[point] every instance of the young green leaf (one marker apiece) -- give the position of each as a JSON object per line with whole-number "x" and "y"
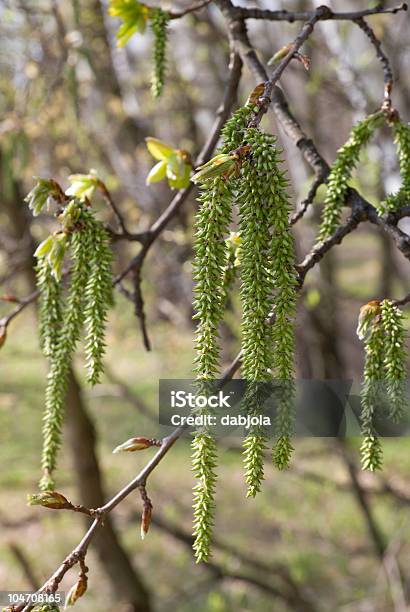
{"x": 134, "y": 16}
{"x": 45, "y": 247}
{"x": 159, "y": 149}
{"x": 82, "y": 186}
{"x": 40, "y": 194}
{"x": 157, "y": 173}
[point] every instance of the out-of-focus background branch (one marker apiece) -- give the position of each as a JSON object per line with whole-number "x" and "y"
{"x": 320, "y": 536}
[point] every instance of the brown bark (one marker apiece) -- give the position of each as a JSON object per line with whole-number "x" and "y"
{"x": 126, "y": 584}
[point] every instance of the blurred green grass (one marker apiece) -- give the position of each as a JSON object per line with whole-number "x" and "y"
{"x": 313, "y": 526}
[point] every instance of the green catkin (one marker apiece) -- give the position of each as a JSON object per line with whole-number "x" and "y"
{"x": 212, "y": 224}
{"x": 230, "y": 273}
{"x": 204, "y": 462}
{"x": 51, "y": 307}
{"x": 212, "y": 254}
{"x": 255, "y": 200}
{"x": 283, "y": 334}
{"x": 394, "y": 358}
{"x": 57, "y": 378}
{"x": 341, "y": 171}
{"x": 234, "y": 128}
{"x": 211, "y": 259}
{"x": 268, "y": 277}
{"x": 89, "y": 297}
{"x": 371, "y": 450}
{"x": 402, "y": 139}
{"x": 255, "y": 443}
{"x": 159, "y": 24}
{"x": 98, "y": 298}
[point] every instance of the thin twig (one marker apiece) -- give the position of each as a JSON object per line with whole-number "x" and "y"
{"x": 139, "y": 307}
{"x": 298, "y": 214}
{"x": 235, "y": 71}
{"x": 79, "y": 552}
{"x": 292, "y": 16}
{"x": 384, "y": 60}
{"x": 22, "y": 304}
{"x": 403, "y": 301}
{"x": 190, "y": 9}
{"x": 265, "y": 100}
{"x": 319, "y": 251}
{"x": 110, "y": 201}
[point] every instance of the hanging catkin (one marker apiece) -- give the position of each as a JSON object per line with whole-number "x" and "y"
{"x": 60, "y": 358}
{"x": 371, "y": 450}
{"x": 98, "y": 299}
{"x": 211, "y": 260}
{"x": 395, "y": 201}
{"x": 283, "y": 333}
{"x": 256, "y": 199}
{"x": 402, "y": 140}
{"x": 159, "y": 25}
{"x": 89, "y": 295}
{"x": 50, "y": 307}
{"x": 394, "y": 358}
{"x": 381, "y": 327}
{"x": 268, "y": 281}
{"x": 341, "y": 171}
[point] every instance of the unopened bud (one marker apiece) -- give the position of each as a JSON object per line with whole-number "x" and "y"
{"x": 3, "y": 335}
{"x": 146, "y": 519}
{"x": 304, "y": 60}
{"x": 76, "y": 591}
{"x": 367, "y": 314}
{"x": 49, "y": 499}
{"x": 283, "y": 51}
{"x": 255, "y": 95}
{"x": 135, "y": 444}
{"x": 222, "y": 164}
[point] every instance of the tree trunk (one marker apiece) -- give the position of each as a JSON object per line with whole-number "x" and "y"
{"x": 126, "y": 584}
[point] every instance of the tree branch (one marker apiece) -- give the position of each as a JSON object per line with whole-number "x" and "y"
{"x": 384, "y": 60}
{"x": 79, "y": 552}
{"x": 135, "y": 265}
{"x": 292, "y": 16}
{"x": 265, "y": 100}
{"x": 190, "y": 9}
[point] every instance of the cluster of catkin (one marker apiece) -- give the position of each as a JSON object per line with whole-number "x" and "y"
{"x": 69, "y": 307}
{"x": 380, "y": 323}
{"x": 383, "y": 393}
{"x": 346, "y": 161}
{"x": 246, "y": 173}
